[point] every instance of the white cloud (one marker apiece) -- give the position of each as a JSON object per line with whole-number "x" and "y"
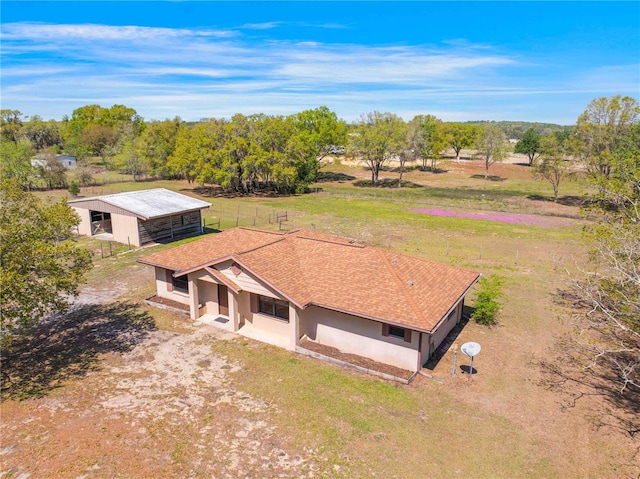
{"x": 162, "y": 72}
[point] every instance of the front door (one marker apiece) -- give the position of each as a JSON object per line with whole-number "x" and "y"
{"x": 223, "y": 300}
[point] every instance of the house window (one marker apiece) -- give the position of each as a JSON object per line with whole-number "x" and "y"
{"x": 273, "y": 307}
{"x": 181, "y": 284}
{"x": 396, "y": 332}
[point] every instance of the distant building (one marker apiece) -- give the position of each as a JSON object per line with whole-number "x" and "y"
{"x": 140, "y": 217}
{"x": 40, "y": 160}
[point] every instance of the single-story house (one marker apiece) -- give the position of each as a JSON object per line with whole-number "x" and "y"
{"x": 140, "y": 217}
{"x": 287, "y": 287}
{"x": 40, "y": 160}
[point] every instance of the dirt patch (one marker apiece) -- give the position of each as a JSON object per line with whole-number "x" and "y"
{"x": 164, "y": 408}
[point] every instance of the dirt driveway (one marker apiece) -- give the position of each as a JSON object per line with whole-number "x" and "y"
{"x": 104, "y": 393}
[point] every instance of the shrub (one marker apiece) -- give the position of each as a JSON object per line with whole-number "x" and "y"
{"x": 487, "y": 306}
{"x": 74, "y": 189}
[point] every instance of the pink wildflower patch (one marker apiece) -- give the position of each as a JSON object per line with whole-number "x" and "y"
{"x": 501, "y": 217}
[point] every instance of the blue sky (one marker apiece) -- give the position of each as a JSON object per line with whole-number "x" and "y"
{"x": 533, "y": 61}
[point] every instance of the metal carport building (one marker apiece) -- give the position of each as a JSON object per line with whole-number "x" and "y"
{"x": 140, "y": 217}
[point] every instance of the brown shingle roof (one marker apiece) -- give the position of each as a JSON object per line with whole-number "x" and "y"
{"x": 335, "y": 273}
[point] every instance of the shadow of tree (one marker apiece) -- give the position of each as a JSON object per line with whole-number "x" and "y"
{"x": 450, "y": 339}
{"x": 562, "y": 200}
{"x": 490, "y": 177}
{"x": 387, "y": 183}
{"x": 570, "y": 371}
{"x": 70, "y": 346}
{"x": 326, "y": 176}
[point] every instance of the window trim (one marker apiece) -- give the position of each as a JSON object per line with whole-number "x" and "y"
{"x": 406, "y": 332}
{"x": 178, "y": 288}
{"x": 261, "y": 300}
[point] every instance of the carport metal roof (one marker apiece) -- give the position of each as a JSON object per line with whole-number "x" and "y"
{"x": 147, "y": 204}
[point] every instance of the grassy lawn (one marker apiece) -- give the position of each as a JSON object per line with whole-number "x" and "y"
{"x": 503, "y": 423}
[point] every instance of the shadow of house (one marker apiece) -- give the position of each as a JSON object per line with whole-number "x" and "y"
{"x": 435, "y": 358}
{"x": 69, "y": 347}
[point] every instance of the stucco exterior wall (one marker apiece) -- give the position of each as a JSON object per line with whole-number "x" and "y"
{"x": 163, "y": 291}
{"x": 446, "y": 326}
{"x": 355, "y": 335}
{"x": 430, "y": 342}
{"x": 208, "y": 296}
{"x": 245, "y": 281}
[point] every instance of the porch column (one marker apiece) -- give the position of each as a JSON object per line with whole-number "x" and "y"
{"x": 194, "y": 309}
{"x": 233, "y": 310}
{"x": 294, "y": 327}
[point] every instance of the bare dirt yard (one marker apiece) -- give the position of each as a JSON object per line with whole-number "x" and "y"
{"x": 150, "y": 403}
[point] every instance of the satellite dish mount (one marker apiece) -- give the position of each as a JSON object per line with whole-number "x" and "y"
{"x": 471, "y": 349}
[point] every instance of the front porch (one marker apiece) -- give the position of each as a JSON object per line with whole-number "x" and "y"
{"x": 245, "y": 329}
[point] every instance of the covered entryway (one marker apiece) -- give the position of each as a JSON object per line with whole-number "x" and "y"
{"x": 223, "y": 300}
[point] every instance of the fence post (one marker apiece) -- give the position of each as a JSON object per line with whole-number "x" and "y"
{"x": 101, "y": 251}
{"x": 110, "y": 250}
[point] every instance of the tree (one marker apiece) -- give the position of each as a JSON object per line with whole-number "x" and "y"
{"x": 157, "y": 143}
{"x": 461, "y": 135}
{"x": 427, "y": 139}
{"x": 605, "y": 300}
{"x": 529, "y": 145}
{"x": 319, "y": 129}
{"x": 487, "y": 305}
{"x": 53, "y": 172}
{"x": 74, "y": 188}
{"x": 16, "y": 162}
{"x": 41, "y": 266}
{"x": 41, "y": 134}
{"x": 130, "y": 160}
{"x": 552, "y": 164}
{"x": 10, "y": 124}
{"x": 491, "y": 146}
{"x": 99, "y": 138}
{"x": 601, "y": 126}
{"x": 376, "y": 138}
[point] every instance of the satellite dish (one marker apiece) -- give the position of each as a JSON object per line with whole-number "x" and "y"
{"x": 470, "y": 349}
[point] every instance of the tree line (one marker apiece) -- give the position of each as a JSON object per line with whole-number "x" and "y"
{"x": 283, "y": 153}
{"x": 240, "y": 154}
